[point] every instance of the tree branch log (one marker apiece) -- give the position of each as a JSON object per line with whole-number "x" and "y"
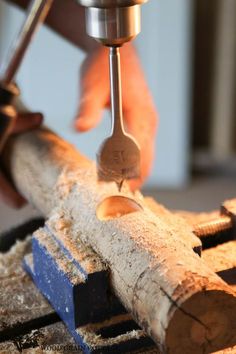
{"x": 182, "y": 304}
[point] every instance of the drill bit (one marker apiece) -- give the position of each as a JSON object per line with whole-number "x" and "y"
{"x": 119, "y": 155}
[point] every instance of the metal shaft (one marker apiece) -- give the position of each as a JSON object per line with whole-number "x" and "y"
{"x": 116, "y": 91}
{"x": 36, "y": 15}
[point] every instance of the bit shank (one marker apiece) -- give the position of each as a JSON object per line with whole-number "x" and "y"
{"x": 116, "y": 91}
{"x": 119, "y": 155}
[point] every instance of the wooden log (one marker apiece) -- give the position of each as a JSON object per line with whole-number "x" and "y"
{"x": 222, "y": 259}
{"x": 182, "y": 304}
{"x": 54, "y": 337}
{"x": 177, "y": 222}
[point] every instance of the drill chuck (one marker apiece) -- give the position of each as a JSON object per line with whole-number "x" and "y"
{"x": 113, "y": 26}
{"x": 113, "y": 22}
{"x": 110, "y": 3}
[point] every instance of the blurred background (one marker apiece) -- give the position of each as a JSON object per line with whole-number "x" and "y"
{"x": 188, "y": 51}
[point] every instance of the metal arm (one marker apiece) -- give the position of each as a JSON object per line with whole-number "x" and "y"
{"x": 36, "y": 15}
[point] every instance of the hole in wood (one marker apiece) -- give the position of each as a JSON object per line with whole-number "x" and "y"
{"x": 115, "y": 207}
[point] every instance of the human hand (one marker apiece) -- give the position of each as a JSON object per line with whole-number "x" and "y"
{"x": 140, "y": 115}
{"x": 8, "y": 194}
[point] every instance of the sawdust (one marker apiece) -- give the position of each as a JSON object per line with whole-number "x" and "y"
{"x": 229, "y": 207}
{"x": 176, "y": 222}
{"x": 97, "y": 341}
{"x": 10, "y": 262}
{"x": 221, "y": 257}
{"x": 64, "y": 264}
{"x": 227, "y": 351}
{"x": 83, "y": 254}
{"x": 197, "y": 218}
{"x": 19, "y": 298}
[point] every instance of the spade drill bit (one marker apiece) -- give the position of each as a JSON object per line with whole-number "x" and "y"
{"x": 119, "y": 156}
{"x": 113, "y": 23}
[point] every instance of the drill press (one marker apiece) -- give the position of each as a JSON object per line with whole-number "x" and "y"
{"x": 113, "y": 23}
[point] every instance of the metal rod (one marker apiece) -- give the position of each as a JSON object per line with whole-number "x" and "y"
{"x": 36, "y": 14}
{"x": 211, "y": 227}
{"x": 116, "y": 91}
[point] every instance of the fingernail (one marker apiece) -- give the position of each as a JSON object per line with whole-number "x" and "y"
{"x": 77, "y": 123}
{"x": 81, "y": 124}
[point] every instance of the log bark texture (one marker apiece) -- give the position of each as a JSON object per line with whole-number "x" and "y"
{"x": 182, "y": 304}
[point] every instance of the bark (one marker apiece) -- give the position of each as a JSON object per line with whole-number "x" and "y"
{"x": 182, "y": 304}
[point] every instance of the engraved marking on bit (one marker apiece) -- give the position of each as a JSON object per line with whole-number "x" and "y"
{"x": 120, "y": 185}
{"x": 118, "y": 156}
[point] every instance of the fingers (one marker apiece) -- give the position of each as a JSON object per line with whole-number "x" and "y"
{"x": 27, "y": 121}
{"x": 94, "y": 90}
{"x": 139, "y": 111}
{"x": 142, "y": 124}
{"x": 9, "y": 195}
{"x": 90, "y": 111}
{"x": 140, "y": 114}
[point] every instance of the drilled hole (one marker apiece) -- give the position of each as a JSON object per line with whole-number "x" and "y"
{"x": 115, "y": 207}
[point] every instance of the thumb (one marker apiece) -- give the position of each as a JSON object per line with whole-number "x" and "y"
{"x": 95, "y": 90}
{"x": 27, "y": 121}
{"x": 141, "y": 122}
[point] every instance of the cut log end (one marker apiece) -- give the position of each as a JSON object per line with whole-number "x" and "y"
{"x": 204, "y": 324}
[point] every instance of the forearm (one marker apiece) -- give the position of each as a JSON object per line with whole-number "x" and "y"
{"x": 67, "y": 18}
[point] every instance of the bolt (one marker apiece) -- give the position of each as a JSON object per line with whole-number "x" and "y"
{"x": 214, "y": 226}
